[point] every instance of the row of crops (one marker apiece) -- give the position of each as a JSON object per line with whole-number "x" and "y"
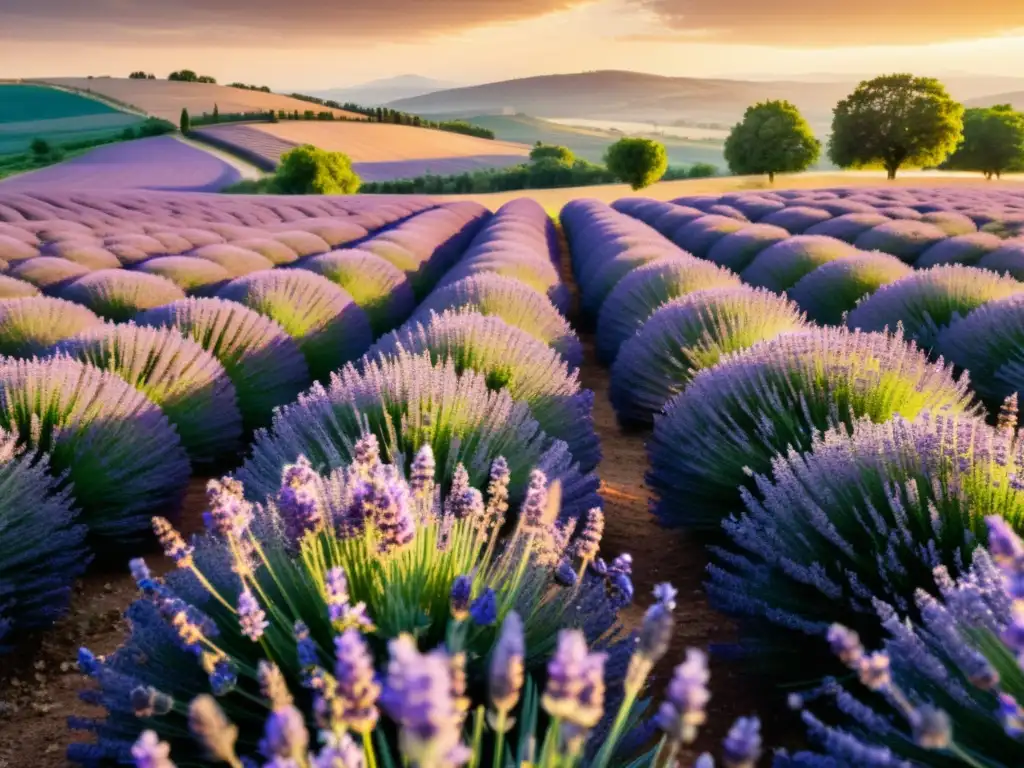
{"x": 842, "y": 472}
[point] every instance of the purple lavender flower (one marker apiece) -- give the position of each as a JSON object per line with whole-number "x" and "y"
{"x": 484, "y": 610}
{"x": 357, "y": 690}
{"x": 497, "y": 491}
{"x": 421, "y": 476}
{"x": 211, "y": 728}
{"x": 382, "y": 499}
{"x": 932, "y": 728}
{"x": 251, "y": 617}
{"x": 273, "y": 685}
{"x": 339, "y": 752}
{"x": 149, "y": 752}
{"x": 298, "y": 502}
{"x": 366, "y": 454}
{"x": 575, "y": 687}
{"x": 846, "y": 645}
{"x": 173, "y": 544}
{"x": 223, "y": 677}
{"x": 147, "y": 701}
{"x": 304, "y": 645}
{"x": 337, "y": 597}
{"x": 535, "y": 505}
{"x": 565, "y": 574}
{"x": 88, "y": 663}
{"x": 285, "y": 734}
{"x": 742, "y": 745}
{"x": 666, "y": 594}
{"x": 461, "y": 593}
{"x": 683, "y": 710}
{"x": 588, "y": 544}
{"x": 505, "y": 679}
{"x": 229, "y": 514}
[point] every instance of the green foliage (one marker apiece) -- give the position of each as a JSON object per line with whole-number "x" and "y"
{"x": 773, "y": 137}
{"x": 244, "y": 87}
{"x": 185, "y": 122}
{"x": 543, "y": 174}
{"x": 636, "y": 161}
{"x": 153, "y": 126}
{"x": 183, "y": 75}
{"x": 40, "y": 147}
{"x": 993, "y": 142}
{"x": 555, "y": 152}
{"x": 896, "y": 120}
{"x": 140, "y": 75}
{"x": 216, "y": 113}
{"x": 309, "y": 170}
{"x": 702, "y": 171}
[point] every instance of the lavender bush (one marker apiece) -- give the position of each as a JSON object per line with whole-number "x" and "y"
{"x": 119, "y": 295}
{"x": 639, "y": 294}
{"x": 235, "y": 260}
{"x": 797, "y": 219}
{"x": 699, "y": 236}
{"x": 187, "y": 382}
{"x": 733, "y": 418}
{"x": 511, "y": 359}
{"x": 596, "y": 286}
{"x": 965, "y": 249}
{"x": 30, "y": 325}
{"x": 117, "y": 448}
{"x": 329, "y": 571}
{"x": 945, "y": 691}
{"x": 377, "y": 287}
{"x": 407, "y": 401}
{"x": 687, "y": 335}
{"x": 12, "y": 288}
{"x": 513, "y": 302}
{"x": 736, "y": 250}
{"x": 829, "y": 292}
{"x": 779, "y": 267}
{"x": 904, "y": 239}
{"x": 847, "y": 227}
{"x": 48, "y": 273}
{"x": 197, "y": 277}
{"x": 325, "y": 322}
{"x": 42, "y": 548}
{"x": 866, "y": 517}
{"x": 1009, "y": 259}
{"x": 924, "y": 303}
{"x": 264, "y": 364}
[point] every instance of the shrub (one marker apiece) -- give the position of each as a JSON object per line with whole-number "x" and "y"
{"x": 555, "y": 152}
{"x": 87, "y": 252}
{"x": 797, "y": 219}
{"x": 954, "y": 686}
{"x": 508, "y": 358}
{"x": 639, "y": 294}
{"x": 302, "y": 243}
{"x": 235, "y": 260}
{"x": 307, "y": 170}
{"x": 734, "y": 418}
{"x": 379, "y": 288}
{"x": 405, "y": 401}
{"x": 927, "y": 301}
{"x": 515, "y": 303}
{"x": 610, "y": 272}
{"x": 30, "y": 325}
{"x": 192, "y": 275}
{"x": 1009, "y": 259}
{"x": 903, "y": 238}
{"x": 42, "y": 549}
{"x": 779, "y": 267}
{"x": 13, "y": 250}
{"x": 988, "y": 343}
{"x": 700, "y": 235}
{"x": 117, "y": 448}
{"x": 12, "y": 288}
{"x": 48, "y": 273}
{"x": 325, "y": 322}
{"x": 264, "y": 364}
{"x": 316, "y": 596}
{"x": 950, "y": 222}
{"x": 686, "y": 335}
{"x": 533, "y": 270}
{"x": 863, "y": 519}
{"x": 828, "y": 292}
{"x": 40, "y": 147}
{"x": 187, "y": 382}
{"x": 636, "y": 161}
{"x": 737, "y": 249}
{"x": 959, "y": 249}
{"x": 119, "y": 295}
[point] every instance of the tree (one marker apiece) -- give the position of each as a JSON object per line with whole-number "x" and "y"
{"x": 40, "y": 147}
{"x": 554, "y": 152}
{"x": 183, "y": 75}
{"x": 993, "y": 142}
{"x": 140, "y": 75}
{"x": 216, "y": 113}
{"x": 309, "y": 170}
{"x": 895, "y": 120}
{"x": 185, "y": 123}
{"x": 636, "y": 161}
{"x": 773, "y": 137}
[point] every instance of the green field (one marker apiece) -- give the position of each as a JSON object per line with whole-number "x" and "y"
{"x": 590, "y": 144}
{"x": 28, "y": 112}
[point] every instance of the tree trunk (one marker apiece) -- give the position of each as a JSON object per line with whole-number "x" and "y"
{"x": 771, "y": 177}
{"x": 891, "y": 172}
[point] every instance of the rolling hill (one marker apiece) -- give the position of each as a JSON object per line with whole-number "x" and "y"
{"x": 165, "y": 98}
{"x": 638, "y": 96}
{"x": 1015, "y": 98}
{"x": 379, "y": 92}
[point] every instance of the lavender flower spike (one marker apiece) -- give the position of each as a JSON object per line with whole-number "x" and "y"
{"x": 357, "y": 690}
{"x": 251, "y": 616}
{"x": 150, "y": 752}
{"x": 683, "y": 712}
{"x": 461, "y": 593}
{"x": 212, "y": 729}
{"x": 575, "y": 688}
{"x": 337, "y": 597}
{"x": 742, "y": 746}
{"x": 505, "y": 681}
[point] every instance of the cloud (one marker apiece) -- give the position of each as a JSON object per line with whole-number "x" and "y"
{"x": 285, "y": 23}
{"x": 824, "y": 23}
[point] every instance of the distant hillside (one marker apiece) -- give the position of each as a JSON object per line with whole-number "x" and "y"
{"x": 590, "y": 144}
{"x": 379, "y": 92}
{"x": 644, "y": 97}
{"x": 1015, "y": 98}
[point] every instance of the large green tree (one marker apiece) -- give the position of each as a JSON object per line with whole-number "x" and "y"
{"x": 896, "y": 120}
{"x": 308, "y": 170}
{"x": 636, "y": 161}
{"x": 554, "y": 152}
{"x": 993, "y": 142}
{"x": 773, "y": 137}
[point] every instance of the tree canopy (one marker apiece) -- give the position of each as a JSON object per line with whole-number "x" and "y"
{"x": 896, "y": 120}
{"x": 993, "y": 142}
{"x": 555, "y": 152}
{"x": 636, "y": 161}
{"x": 773, "y": 137}
{"x": 309, "y": 170}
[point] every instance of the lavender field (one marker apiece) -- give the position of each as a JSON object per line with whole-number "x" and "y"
{"x": 396, "y": 451}
{"x": 157, "y": 163}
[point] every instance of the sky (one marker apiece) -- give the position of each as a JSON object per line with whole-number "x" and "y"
{"x": 313, "y": 44}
